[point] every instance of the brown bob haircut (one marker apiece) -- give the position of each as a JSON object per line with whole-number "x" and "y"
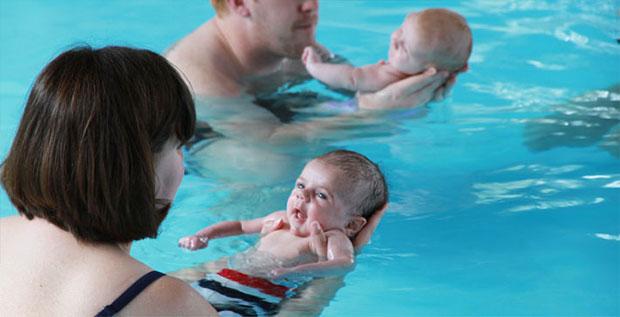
{"x": 83, "y": 155}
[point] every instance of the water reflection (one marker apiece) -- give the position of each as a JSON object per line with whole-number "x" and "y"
{"x": 268, "y": 140}
{"x": 539, "y": 187}
{"x": 591, "y": 119}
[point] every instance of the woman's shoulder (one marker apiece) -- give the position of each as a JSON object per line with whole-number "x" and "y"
{"x": 171, "y": 297}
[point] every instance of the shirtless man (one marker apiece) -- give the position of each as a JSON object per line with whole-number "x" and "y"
{"x": 254, "y": 46}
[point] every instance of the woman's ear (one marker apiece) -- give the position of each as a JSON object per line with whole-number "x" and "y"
{"x": 239, "y": 7}
{"x": 355, "y": 225}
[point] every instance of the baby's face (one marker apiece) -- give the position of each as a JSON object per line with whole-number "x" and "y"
{"x": 403, "y": 45}
{"x": 316, "y": 197}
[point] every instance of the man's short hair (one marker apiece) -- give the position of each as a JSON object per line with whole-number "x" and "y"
{"x": 83, "y": 155}
{"x": 362, "y": 179}
{"x": 220, "y": 6}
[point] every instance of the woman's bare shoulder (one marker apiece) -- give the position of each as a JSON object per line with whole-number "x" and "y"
{"x": 169, "y": 296}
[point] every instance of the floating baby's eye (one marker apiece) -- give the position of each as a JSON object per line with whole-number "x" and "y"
{"x": 321, "y": 195}
{"x": 300, "y": 186}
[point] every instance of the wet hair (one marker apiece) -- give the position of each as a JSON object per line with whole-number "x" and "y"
{"x": 84, "y": 153}
{"x": 366, "y": 189}
{"x": 444, "y": 31}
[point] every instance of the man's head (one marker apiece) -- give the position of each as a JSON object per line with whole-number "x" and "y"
{"x": 220, "y": 7}
{"x": 340, "y": 190}
{"x": 437, "y": 38}
{"x": 284, "y": 27}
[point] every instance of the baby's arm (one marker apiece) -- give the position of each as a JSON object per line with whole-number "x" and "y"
{"x": 201, "y": 238}
{"x": 340, "y": 259}
{"x": 368, "y": 78}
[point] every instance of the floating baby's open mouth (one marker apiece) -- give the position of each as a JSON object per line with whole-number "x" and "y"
{"x": 298, "y": 214}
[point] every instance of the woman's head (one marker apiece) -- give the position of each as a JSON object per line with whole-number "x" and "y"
{"x": 85, "y": 153}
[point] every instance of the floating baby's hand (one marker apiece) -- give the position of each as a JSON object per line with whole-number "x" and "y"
{"x": 193, "y": 242}
{"x": 279, "y": 273}
{"x": 318, "y": 241}
{"x": 271, "y": 225}
{"x": 310, "y": 56}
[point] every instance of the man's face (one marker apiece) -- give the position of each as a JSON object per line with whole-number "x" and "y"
{"x": 285, "y": 26}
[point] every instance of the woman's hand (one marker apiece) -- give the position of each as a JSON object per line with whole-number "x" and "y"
{"x": 412, "y": 91}
{"x": 362, "y": 237}
{"x": 193, "y": 242}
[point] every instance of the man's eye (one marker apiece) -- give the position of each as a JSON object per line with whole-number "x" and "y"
{"x": 321, "y": 195}
{"x": 300, "y": 186}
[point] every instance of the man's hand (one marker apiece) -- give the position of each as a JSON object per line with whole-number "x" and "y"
{"x": 193, "y": 242}
{"x": 412, "y": 91}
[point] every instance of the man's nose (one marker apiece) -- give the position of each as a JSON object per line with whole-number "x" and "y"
{"x": 309, "y": 5}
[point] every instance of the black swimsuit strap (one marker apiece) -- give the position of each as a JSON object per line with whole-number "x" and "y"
{"x": 136, "y": 288}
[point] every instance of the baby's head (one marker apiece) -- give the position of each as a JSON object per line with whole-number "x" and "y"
{"x": 340, "y": 190}
{"x": 434, "y": 37}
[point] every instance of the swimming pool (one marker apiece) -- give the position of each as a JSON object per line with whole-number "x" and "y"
{"x": 504, "y": 197}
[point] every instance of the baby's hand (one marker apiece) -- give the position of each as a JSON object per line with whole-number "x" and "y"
{"x": 193, "y": 242}
{"x": 279, "y": 273}
{"x": 310, "y": 56}
{"x": 271, "y": 225}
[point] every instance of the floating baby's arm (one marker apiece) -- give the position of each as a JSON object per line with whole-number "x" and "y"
{"x": 367, "y": 78}
{"x": 224, "y": 229}
{"x": 340, "y": 260}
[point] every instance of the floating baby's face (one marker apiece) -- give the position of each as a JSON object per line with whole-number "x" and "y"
{"x": 316, "y": 197}
{"x": 404, "y": 44}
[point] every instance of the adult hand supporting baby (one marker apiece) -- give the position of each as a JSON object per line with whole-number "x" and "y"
{"x": 412, "y": 91}
{"x": 362, "y": 237}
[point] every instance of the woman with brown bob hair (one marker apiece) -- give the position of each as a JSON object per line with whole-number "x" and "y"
{"x": 94, "y": 166}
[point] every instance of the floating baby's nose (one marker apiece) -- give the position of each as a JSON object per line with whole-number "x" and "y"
{"x": 301, "y": 194}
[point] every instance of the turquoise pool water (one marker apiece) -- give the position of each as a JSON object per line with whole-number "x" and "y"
{"x": 504, "y": 197}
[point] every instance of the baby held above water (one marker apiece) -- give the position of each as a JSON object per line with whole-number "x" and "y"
{"x": 430, "y": 40}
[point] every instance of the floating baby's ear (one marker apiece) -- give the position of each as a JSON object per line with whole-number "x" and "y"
{"x": 239, "y": 6}
{"x": 355, "y": 225}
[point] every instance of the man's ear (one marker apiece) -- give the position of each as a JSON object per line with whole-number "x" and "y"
{"x": 239, "y": 7}
{"x": 355, "y": 225}
{"x": 464, "y": 68}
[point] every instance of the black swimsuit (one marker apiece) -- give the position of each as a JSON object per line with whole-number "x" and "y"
{"x": 134, "y": 290}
